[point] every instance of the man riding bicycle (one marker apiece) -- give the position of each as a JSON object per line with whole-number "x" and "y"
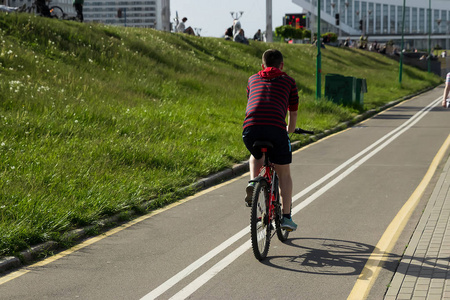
{"x": 271, "y": 93}
{"x": 42, "y": 8}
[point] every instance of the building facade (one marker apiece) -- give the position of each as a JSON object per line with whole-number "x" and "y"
{"x": 383, "y": 19}
{"x": 132, "y": 13}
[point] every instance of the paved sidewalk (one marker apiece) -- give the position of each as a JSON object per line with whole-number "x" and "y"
{"x": 423, "y": 272}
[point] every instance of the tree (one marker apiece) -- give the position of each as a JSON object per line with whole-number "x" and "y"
{"x": 330, "y": 37}
{"x": 289, "y": 32}
{"x": 307, "y": 34}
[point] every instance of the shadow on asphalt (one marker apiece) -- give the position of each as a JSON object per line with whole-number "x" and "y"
{"x": 339, "y": 257}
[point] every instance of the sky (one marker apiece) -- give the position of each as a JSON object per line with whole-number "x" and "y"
{"x": 213, "y": 16}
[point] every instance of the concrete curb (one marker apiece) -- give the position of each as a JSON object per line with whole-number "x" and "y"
{"x": 32, "y": 254}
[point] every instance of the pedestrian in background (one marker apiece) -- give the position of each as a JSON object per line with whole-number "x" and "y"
{"x": 240, "y": 37}
{"x": 258, "y": 36}
{"x": 229, "y": 33}
{"x": 182, "y": 27}
{"x": 78, "y": 5}
{"x": 445, "y": 99}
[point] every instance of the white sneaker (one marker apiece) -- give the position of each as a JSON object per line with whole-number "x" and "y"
{"x": 249, "y": 193}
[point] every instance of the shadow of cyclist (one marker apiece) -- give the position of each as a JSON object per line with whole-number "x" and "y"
{"x": 340, "y": 257}
{"x": 323, "y": 256}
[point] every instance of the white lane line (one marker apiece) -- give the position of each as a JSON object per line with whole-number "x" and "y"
{"x": 352, "y": 159}
{"x": 196, "y": 284}
{"x": 201, "y": 280}
{"x": 395, "y": 134}
{"x": 195, "y": 265}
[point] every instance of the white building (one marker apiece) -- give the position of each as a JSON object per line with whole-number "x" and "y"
{"x": 382, "y": 20}
{"x": 133, "y": 13}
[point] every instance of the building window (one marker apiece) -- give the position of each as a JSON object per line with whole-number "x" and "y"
{"x": 444, "y": 28}
{"x": 392, "y": 20}
{"x": 399, "y": 18}
{"x": 378, "y": 18}
{"x": 421, "y": 20}
{"x": 364, "y": 13}
{"x": 385, "y": 22}
{"x": 357, "y": 15}
{"x": 435, "y": 22}
{"x": 371, "y": 17}
{"x": 407, "y": 19}
{"x": 341, "y": 10}
{"x": 349, "y": 11}
{"x": 414, "y": 20}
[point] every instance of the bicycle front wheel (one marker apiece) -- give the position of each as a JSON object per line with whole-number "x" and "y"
{"x": 260, "y": 228}
{"x": 56, "y": 12}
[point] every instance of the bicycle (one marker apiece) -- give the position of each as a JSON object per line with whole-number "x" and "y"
{"x": 266, "y": 206}
{"x": 43, "y": 10}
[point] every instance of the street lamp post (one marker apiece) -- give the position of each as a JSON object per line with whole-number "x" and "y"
{"x": 319, "y": 57}
{"x": 269, "y": 35}
{"x": 429, "y": 38}
{"x": 401, "y": 48}
{"x": 236, "y": 15}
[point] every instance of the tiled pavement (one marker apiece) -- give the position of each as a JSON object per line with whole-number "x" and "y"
{"x": 423, "y": 272}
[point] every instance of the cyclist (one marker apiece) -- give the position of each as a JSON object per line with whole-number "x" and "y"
{"x": 42, "y": 8}
{"x": 271, "y": 93}
{"x": 445, "y": 98}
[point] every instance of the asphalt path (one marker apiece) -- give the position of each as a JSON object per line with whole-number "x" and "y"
{"x": 348, "y": 188}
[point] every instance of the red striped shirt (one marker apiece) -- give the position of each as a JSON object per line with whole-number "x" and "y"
{"x": 270, "y": 94}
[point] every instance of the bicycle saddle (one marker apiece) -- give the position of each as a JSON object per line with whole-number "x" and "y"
{"x": 263, "y": 144}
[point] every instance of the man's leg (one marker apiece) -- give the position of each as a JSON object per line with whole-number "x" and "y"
{"x": 190, "y": 31}
{"x": 255, "y": 165}
{"x": 285, "y": 183}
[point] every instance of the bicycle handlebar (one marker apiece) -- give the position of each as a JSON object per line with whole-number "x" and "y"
{"x": 302, "y": 131}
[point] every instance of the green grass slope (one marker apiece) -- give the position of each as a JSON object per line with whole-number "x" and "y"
{"x": 95, "y": 119}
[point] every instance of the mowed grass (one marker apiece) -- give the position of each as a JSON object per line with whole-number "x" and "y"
{"x": 95, "y": 120}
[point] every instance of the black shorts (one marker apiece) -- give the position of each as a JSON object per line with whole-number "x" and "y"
{"x": 281, "y": 154}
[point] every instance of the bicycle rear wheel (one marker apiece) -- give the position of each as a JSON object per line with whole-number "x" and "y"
{"x": 281, "y": 233}
{"x": 260, "y": 228}
{"x": 56, "y": 12}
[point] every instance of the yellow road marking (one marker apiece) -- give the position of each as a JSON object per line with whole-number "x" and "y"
{"x": 376, "y": 260}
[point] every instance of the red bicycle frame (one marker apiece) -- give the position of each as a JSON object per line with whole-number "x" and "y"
{"x": 269, "y": 174}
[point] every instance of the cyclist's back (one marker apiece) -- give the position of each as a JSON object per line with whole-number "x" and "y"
{"x": 271, "y": 93}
